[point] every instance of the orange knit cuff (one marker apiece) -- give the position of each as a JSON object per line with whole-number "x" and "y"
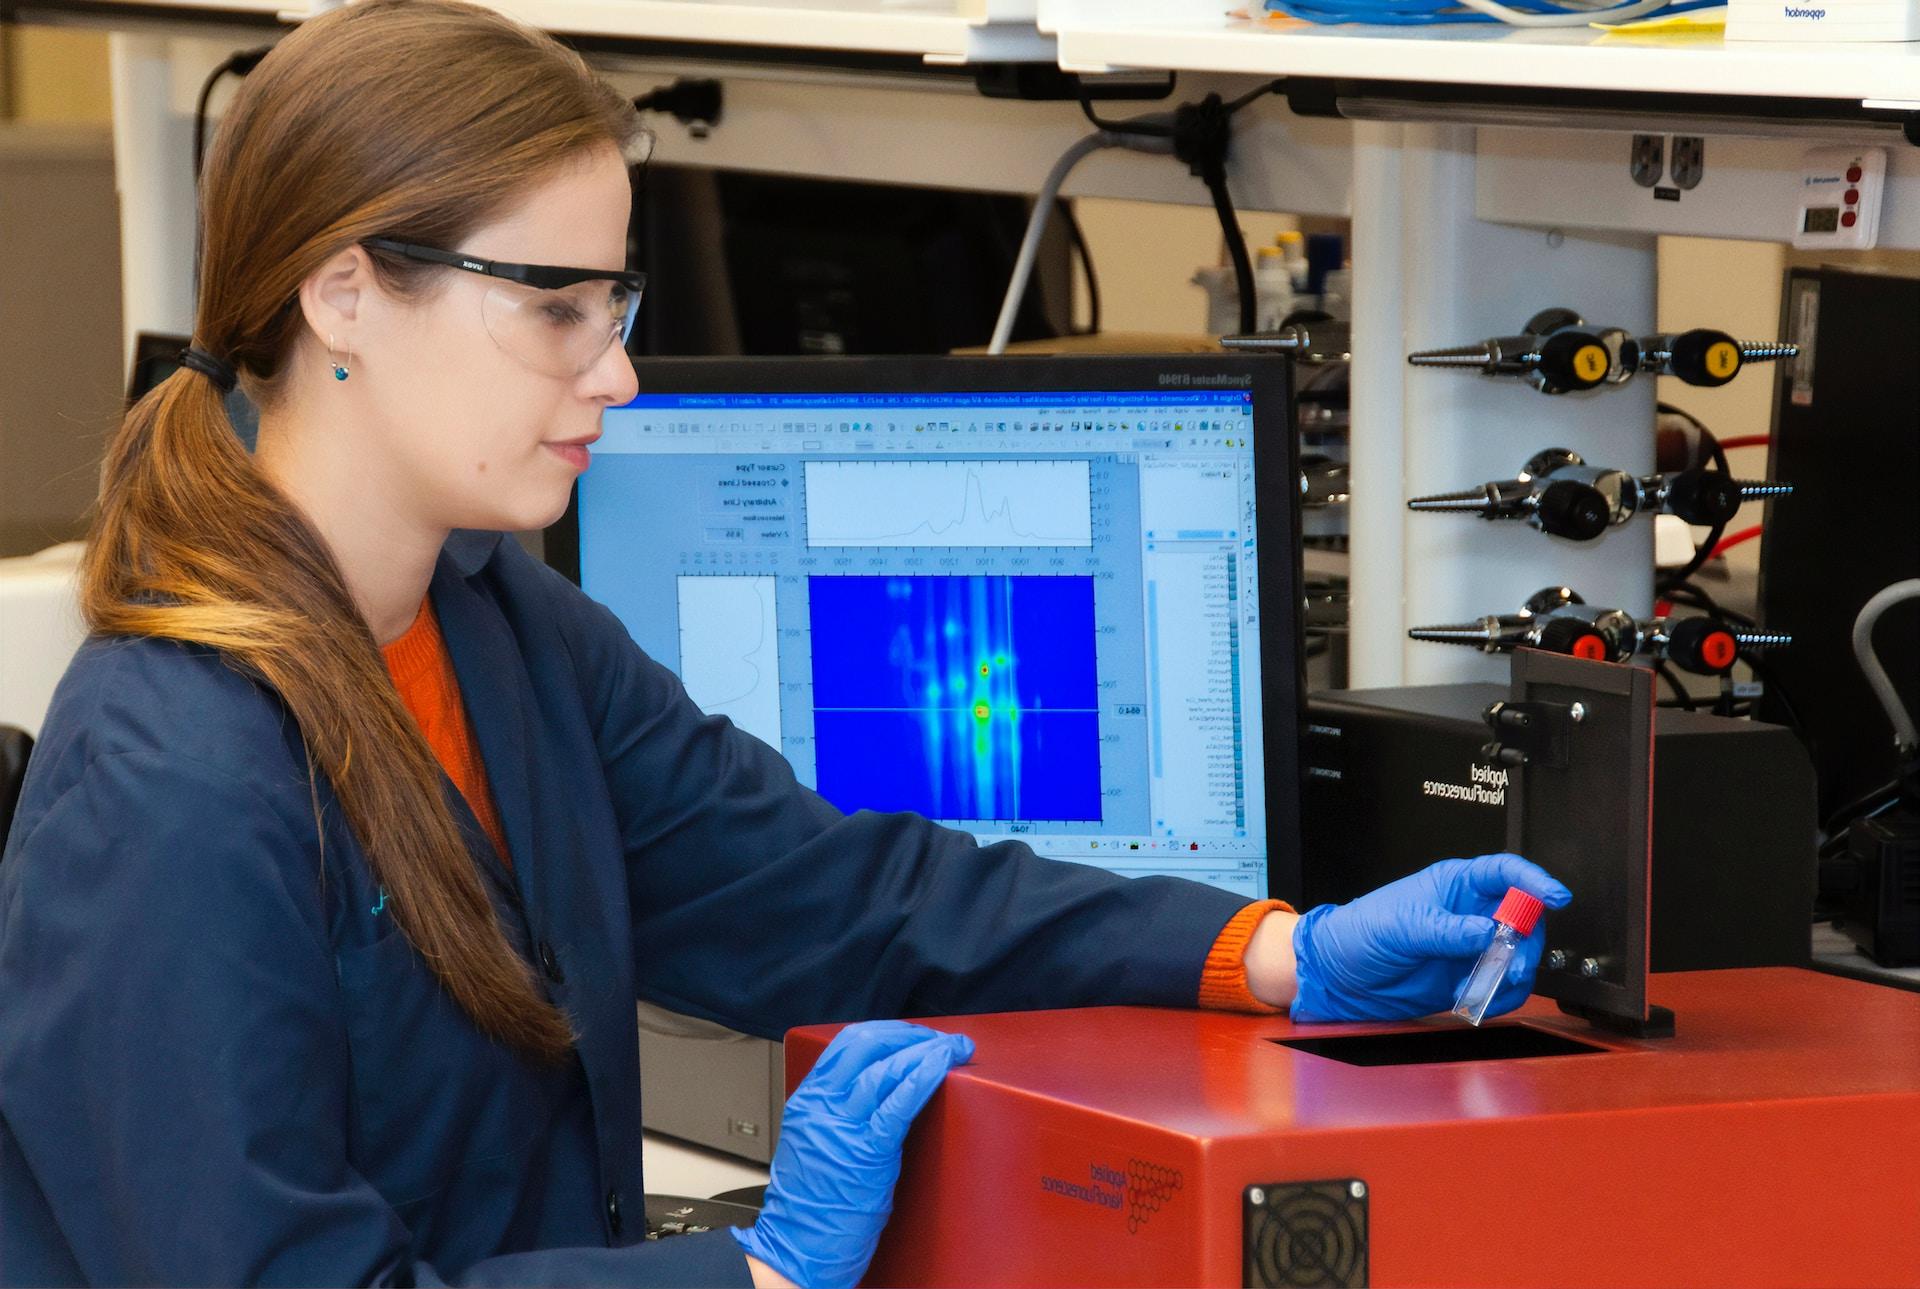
{"x": 1223, "y": 981}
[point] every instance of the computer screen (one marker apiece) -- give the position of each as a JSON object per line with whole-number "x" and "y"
{"x": 1048, "y": 599}
{"x": 156, "y": 356}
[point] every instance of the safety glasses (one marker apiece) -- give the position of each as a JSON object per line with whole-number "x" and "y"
{"x": 556, "y": 320}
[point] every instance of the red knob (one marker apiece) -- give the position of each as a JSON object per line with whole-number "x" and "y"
{"x": 1719, "y": 650}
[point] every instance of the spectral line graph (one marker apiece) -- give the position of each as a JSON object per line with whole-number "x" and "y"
{"x": 729, "y": 650}
{"x": 949, "y": 503}
{"x": 958, "y": 698}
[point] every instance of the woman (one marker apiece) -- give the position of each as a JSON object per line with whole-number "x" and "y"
{"x": 353, "y": 833}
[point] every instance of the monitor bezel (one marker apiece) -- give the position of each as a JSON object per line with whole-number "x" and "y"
{"x": 1276, "y": 497}
{"x": 155, "y": 356}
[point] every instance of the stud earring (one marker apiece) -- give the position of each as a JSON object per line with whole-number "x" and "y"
{"x": 339, "y": 368}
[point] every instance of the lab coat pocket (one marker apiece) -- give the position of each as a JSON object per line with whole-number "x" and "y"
{"x": 432, "y": 1095}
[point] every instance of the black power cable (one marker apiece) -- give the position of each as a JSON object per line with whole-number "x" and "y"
{"x": 1864, "y": 806}
{"x": 695, "y": 102}
{"x": 1682, "y": 698}
{"x": 238, "y": 64}
{"x": 1202, "y": 133}
{"x": 1704, "y": 551}
{"x": 1149, "y": 129}
{"x": 1079, "y": 238}
{"x": 1694, "y": 598}
{"x": 1764, "y": 672}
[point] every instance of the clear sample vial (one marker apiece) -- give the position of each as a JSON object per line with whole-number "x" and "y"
{"x": 1513, "y": 922}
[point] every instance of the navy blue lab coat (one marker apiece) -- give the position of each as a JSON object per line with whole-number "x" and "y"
{"x": 221, "y": 1063}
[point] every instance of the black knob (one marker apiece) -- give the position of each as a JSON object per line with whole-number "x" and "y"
{"x": 1702, "y": 646}
{"x": 1703, "y": 496}
{"x": 1573, "y": 360}
{"x": 1574, "y": 510}
{"x": 1705, "y": 357}
{"x": 1574, "y": 637}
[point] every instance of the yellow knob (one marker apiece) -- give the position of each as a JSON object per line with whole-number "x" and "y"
{"x": 1590, "y": 362}
{"x": 1723, "y": 360}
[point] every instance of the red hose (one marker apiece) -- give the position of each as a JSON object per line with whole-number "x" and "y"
{"x": 1733, "y": 539}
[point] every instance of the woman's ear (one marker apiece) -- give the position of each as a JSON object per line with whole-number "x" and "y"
{"x": 335, "y": 297}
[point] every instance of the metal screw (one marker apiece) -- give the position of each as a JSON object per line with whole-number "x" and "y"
{"x": 1557, "y": 960}
{"x": 1256, "y": 1196}
{"x": 1358, "y": 1190}
{"x": 1589, "y": 967}
{"x": 1579, "y": 713}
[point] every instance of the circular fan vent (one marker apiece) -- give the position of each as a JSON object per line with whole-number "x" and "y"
{"x": 1305, "y": 1235}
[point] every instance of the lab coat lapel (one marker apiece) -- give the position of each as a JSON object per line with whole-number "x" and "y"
{"x": 493, "y": 682}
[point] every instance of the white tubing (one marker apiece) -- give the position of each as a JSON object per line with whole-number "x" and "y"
{"x": 1576, "y": 15}
{"x": 1037, "y": 225}
{"x": 1905, "y": 737}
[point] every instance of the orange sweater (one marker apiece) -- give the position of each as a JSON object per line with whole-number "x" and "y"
{"x": 422, "y": 670}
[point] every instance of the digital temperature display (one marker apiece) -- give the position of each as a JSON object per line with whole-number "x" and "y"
{"x": 1821, "y": 219}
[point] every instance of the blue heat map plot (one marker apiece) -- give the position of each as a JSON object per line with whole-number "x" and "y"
{"x": 960, "y": 698}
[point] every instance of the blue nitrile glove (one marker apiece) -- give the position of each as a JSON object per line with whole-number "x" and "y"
{"x": 1403, "y": 950}
{"x": 839, "y": 1151}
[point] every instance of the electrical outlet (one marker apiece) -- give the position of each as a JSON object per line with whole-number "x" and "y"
{"x": 1689, "y": 160}
{"x": 1646, "y": 163}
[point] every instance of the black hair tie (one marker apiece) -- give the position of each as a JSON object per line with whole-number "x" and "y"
{"x": 205, "y": 363}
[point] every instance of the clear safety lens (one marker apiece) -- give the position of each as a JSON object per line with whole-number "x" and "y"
{"x": 559, "y": 332}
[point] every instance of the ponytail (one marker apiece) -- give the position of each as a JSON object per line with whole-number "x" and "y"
{"x": 191, "y": 542}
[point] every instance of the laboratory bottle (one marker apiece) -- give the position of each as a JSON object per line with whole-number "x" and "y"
{"x": 1513, "y": 922}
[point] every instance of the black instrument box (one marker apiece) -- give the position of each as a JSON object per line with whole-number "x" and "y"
{"x": 1846, "y": 435}
{"x": 1394, "y": 779}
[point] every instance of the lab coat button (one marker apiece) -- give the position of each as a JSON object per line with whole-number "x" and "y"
{"x": 613, "y": 1211}
{"x": 550, "y": 963}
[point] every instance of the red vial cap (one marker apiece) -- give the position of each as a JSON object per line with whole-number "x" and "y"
{"x": 1519, "y": 911}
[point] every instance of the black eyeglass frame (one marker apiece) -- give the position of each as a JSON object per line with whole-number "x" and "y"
{"x": 546, "y": 277}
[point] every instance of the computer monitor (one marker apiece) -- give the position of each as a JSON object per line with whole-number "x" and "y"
{"x": 741, "y": 263}
{"x": 156, "y": 356}
{"x": 1052, "y": 599}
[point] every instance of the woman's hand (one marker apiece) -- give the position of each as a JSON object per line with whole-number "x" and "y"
{"x": 1402, "y": 950}
{"x": 839, "y": 1152}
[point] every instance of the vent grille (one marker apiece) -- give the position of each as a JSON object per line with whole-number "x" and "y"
{"x": 1305, "y": 1235}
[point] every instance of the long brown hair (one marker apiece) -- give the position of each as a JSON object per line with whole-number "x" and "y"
{"x": 417, "y": 120}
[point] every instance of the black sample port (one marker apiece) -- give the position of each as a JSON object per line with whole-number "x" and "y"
{"x": 1441, "y": 1046}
